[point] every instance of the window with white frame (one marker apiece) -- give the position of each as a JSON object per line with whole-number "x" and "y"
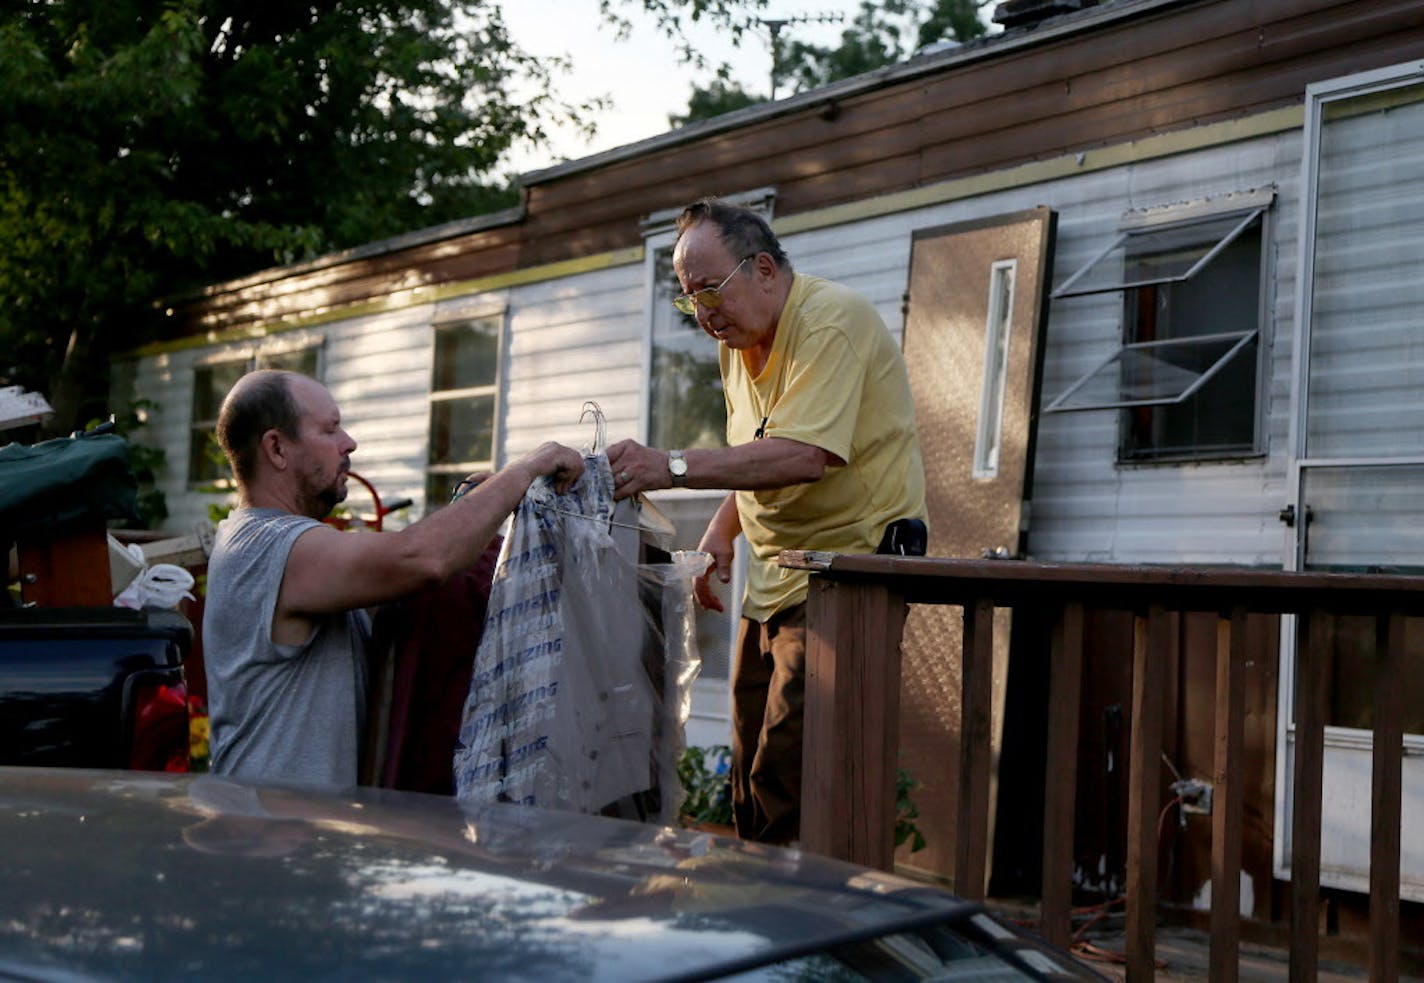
{"x": 687, "y": 408}
{"x": 1185, "y": 378}
{"x": 686, "y": 405}
{"x": 464, "y": 403}
{"x": 212, "y": 380}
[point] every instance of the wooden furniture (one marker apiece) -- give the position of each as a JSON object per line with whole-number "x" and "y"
{"x": 69, "y": 568}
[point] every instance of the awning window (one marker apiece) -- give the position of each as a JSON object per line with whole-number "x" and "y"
{"x": 1141, "y": 257}
{"x": 1153, "y": 373}
{"x": 1180, "y": 335}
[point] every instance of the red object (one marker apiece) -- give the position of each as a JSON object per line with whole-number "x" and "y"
{"x": 160, "y": 727}
{"x": 431, "y": 639}
{"x": 375, "y": 522}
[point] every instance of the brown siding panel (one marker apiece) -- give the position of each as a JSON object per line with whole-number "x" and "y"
{"x": 1164, "y": 69}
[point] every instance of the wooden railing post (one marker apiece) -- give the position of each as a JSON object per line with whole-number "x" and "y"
{"x": 1227, "y": 797}
{"x": 1313, "y": 655}
{"x": 855, "y": 616}
{"x": 1385, "y": 802}
{"x": 1150, "y": 645}
{"x": 852, "y": 724}
{"x": 971, "y": 835}
{"x": 1065, "y": 683}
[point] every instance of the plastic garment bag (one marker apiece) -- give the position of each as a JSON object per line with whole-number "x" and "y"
{"x": 582, "y": 677}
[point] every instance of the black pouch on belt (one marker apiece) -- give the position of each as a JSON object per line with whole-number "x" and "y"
{"x": 904, "y": 537}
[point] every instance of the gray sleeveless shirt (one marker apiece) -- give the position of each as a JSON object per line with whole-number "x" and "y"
{"x": 281, "y": 713}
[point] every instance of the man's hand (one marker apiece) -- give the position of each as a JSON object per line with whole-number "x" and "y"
{"x": 718, "y": 542}
{"x": 563, "y": 465}
{"x": 722, "y": 566}
{"x": 637, "y": 468}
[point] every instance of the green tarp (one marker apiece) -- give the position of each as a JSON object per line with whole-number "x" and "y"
{"x": 47, "y": 486}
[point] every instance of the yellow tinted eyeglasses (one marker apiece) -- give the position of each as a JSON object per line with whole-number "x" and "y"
{"x": 709, "y": 298}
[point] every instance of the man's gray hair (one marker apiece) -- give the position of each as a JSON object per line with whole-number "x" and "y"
{"x": 743, "y": 231}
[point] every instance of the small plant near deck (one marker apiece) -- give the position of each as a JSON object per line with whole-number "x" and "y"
{"x": 906, "y": 812}
{"x": 706, "y": 776}
{"x": 705, "y": 773}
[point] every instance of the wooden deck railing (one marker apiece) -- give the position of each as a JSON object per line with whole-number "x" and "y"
{"x": 857, "y": 606}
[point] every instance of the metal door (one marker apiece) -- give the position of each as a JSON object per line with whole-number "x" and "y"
{"x": 1357, "y": 431}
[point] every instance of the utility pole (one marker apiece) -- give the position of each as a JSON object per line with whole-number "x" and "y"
{"x": 774, "y": 26}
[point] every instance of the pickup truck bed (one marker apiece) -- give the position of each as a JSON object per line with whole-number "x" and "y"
{"x": 94, "y": 688}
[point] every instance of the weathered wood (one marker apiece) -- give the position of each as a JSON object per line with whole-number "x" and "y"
{"x": 1387, "y": 785}
{"x": 1061, "y": 781}
{"x": 1018, "y": 98}
{"x": 852, "y": 723}
{"x": 182, "y": 551}
{"x": 1121, "y": 587}
{"x": 1312, "y": 678}
{"x": 1151, "y": 642}
{"x": 1164, "y": 593}
{"x": 971, "y": 843}
{"x": 1227, "y": 797}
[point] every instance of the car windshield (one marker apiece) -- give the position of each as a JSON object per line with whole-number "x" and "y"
{"x": 976, "y": 949}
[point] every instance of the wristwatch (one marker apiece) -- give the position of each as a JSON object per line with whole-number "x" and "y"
{"x": 677, "y": 467}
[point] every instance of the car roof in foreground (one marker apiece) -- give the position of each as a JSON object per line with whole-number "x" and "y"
{"x": 143, "y": 875}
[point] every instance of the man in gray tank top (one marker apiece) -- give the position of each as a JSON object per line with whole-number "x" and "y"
{"x": 285, "y": 628}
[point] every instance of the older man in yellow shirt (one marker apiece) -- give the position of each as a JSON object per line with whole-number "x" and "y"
{"x": 822, "y": 454}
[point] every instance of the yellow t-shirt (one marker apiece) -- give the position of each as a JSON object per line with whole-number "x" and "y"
{"x": 835, "y": 379}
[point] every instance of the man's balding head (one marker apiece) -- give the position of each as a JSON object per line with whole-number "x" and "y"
{"x": 260, "y": 401}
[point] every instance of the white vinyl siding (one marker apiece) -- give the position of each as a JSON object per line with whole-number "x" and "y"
{"x": 1085, "y": 505}
{"x": 570, "y": 341}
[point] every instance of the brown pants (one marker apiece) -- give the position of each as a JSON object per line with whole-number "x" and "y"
{"x": 768, "y": 699}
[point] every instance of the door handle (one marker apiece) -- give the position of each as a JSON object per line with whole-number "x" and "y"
{"x": 1288, "y": 516}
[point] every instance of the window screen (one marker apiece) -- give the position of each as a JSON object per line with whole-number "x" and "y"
{"x": 1184, "y": 378}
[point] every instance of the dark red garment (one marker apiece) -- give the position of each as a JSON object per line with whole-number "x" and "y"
{"x": 423, "y": 653}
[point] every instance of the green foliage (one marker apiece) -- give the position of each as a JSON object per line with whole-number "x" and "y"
{"x": 155, "y": 146}
{"x": 684, "y": 21}
{"x": 146, "y": 463}
{"x": 906, "y": 812}
{"x": 705, "y": 774}
{"x": 714, "y": 100}
{"x": 953, "y": 20}
{"x": 880, "y": 35}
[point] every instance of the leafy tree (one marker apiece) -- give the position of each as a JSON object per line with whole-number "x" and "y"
{"x": 879, "y": 36}
{"x": 720, "y": 97}
{"x": 873, "y": 40}
{"x": 149, "y": 147}
{"x": 953, "y": 20}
